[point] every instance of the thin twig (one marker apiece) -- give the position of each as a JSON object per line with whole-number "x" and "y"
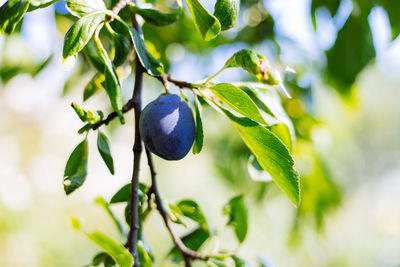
{"x": 137, "y": 150}
{"x": 164, "y": 78}
{"x": 126, "y": 108}
{"x": 187, "y": 253}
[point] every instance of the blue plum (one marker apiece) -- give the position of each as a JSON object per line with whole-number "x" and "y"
{"x": 167, "y": 127}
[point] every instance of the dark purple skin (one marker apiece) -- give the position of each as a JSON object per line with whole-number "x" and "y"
{"x": 167, "y": 127}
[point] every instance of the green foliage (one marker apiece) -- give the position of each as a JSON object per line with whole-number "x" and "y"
{"x": 198, "y": 140}
{"x": 81, "y": 8}
{"x": 238, "y": 101}
{"x": 115, "y": 250}
{"x": 103, "y": 204}
{"x": 79, "y": 35}
{"x": 144, "y": 258}
{"x": 226, "y": 11}
{"x": 193, "y": 240}
{"x": 159, "y": 18}
{"x": 269, "y": 102}
{"x": 239, "y": 262}
{"x": 271, "y": 153}
{"x": 93, "y": 86}
{"x": 88, "y": 116}
{"x": 353, "y": 48}
{"x": 254, "y": 63}
{"x": 191, "y": 210}
{"x": 352, "y": 51}
{"x": 152, "y": 65}
{"x": 206, "y": 24}
{"x": 282, "y": 131}
{"x": 392, "y": 9}
{"x": 35, "y": 4}
{"x": 122, "y": 195}
{"x": 103, "y": 145}
{"x": 122, "y": 48}
{"x": 104, "y": 258}
{"x": 111, "y": 82}
{"x": 236, "y": 209}
{"x": 11, "y": 13}
{"x": 94, "y": 58}
{"x": 76, "y": 169}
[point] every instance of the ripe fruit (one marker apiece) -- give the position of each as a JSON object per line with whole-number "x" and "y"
{"x": 167, "y": 127}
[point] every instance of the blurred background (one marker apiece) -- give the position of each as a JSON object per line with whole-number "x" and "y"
{"x": 344, "y": 107}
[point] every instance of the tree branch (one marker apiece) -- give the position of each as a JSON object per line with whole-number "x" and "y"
{"x": 187, "y": 253}
{"x": 137, "y": 150}
{"x": 126, "y": 108}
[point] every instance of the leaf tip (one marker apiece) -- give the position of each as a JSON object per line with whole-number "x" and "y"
{"x": 68, "y": 62}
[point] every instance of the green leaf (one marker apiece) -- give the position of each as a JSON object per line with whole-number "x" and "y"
{"x": 144, "y": 258}
{"x": 79, "y": 35}
{"x": 11, "y": 13}
{"x": 111, "y": 81}
{"x": 254, "y": 63}
{"x": 226, "y": 11}
{"x": 85, "y": 128}
{"x": 208, "y": 25}
{"x": 122, "y": 48}
{"x": 104, "y": 149}
{"x": 104, "y": 258}
{"x": 93, "y": 86}
{"x": 194, "y": 240}
{"x": 117, "y": 251}
{"x": 282, "y": 131}
{"x": 352, "y": 51}
{"x": 237, "y": 211}
{"x": 94, "y": 58}
{"x": 198, "y": 140}
{"x": 392, "y": 9}
{"x": 269, "y": 101}
{"x": 81, "y": 8}
{"x": 35, "y": 4}
{"x": 152, "y": 65}
{"x": 123, "y": 195}
{"x": 271, "y": 153}
{"x": 89, "y": 116}
{"x": 238, "y": 100}
{"x": 175, "y": 214}
{"x": 102, "y": 203}
{"x": 192, "y": 210}
{"x": 158, "y": 18}
{"x": 239, "y": 262}
{"x": 76, "y": 169}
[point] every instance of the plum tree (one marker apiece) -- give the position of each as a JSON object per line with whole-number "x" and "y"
{"x": 118, "y": 37}
{"x": 167, "y": 127}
